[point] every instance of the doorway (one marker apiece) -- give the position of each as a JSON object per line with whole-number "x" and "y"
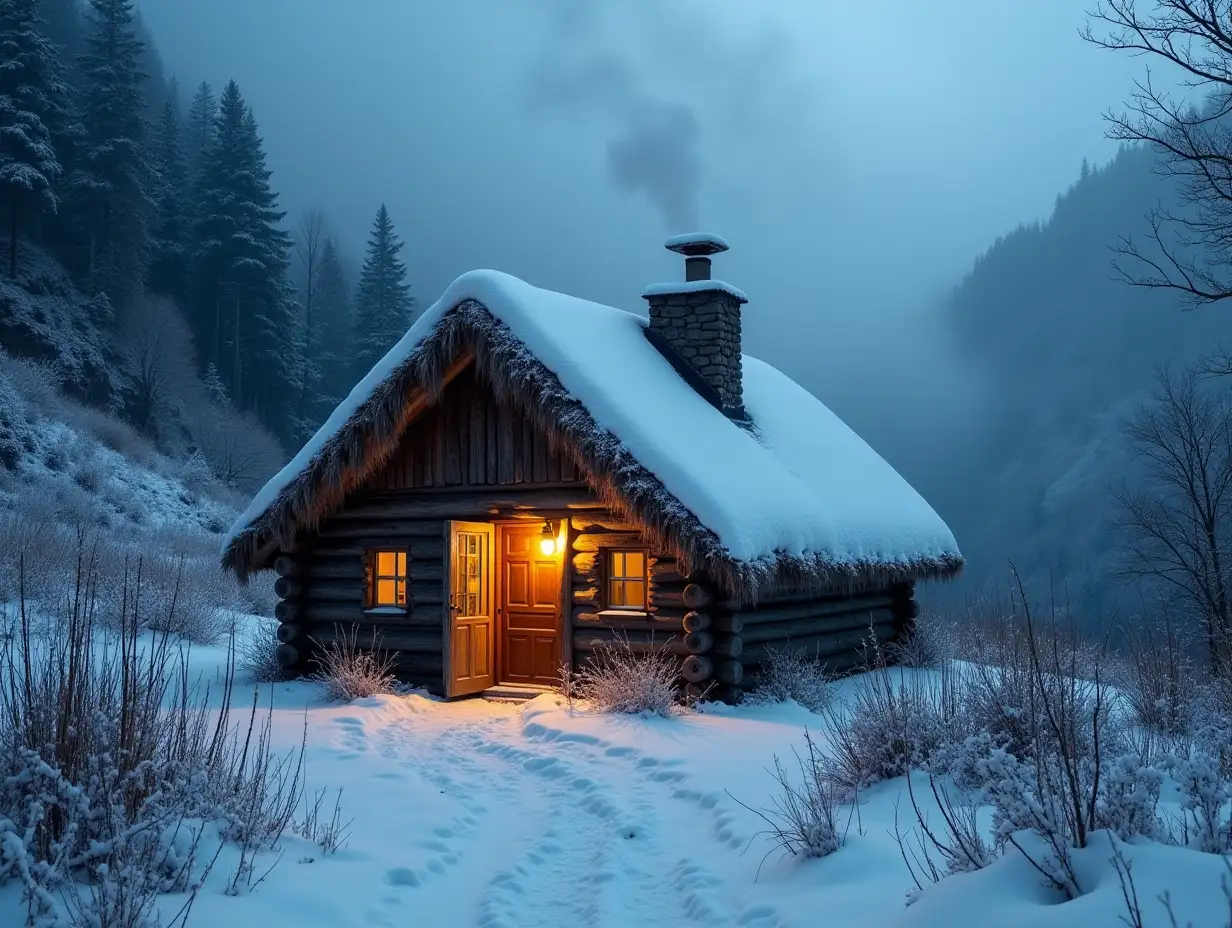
{"x": 528, "y": 607}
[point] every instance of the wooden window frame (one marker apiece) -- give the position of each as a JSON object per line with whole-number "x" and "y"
{"x": 371, "y": 579}
{"x": 605, "y": 572}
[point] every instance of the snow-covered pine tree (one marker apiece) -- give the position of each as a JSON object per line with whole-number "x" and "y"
{"x": 30, "y": 88}
{"x": 168, "y": 261}
{"x": 383, "y": 303}
{"x": 200, "y": 126}
{"x": 272, "y": 352}
{"x": 64, "y": 27}
{"x": 215, "y": 389}
{"x": 310, "y": 239}
{"x": 332, "y": 324}
{"x": 115, "y": 176}
{"x": 240, "y": 301}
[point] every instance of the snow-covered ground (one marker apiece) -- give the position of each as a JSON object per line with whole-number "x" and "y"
{"x": 488, "y": 814}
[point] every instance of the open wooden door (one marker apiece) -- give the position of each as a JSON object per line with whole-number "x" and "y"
{"x": 470, "y": 639}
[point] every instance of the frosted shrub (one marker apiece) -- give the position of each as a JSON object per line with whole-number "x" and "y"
{"x": 1159, "y": 679}
{"x": 616, "y": 678}
{"x": 896, "y": 720}
{"x": 189, "y": 596}
{"x": 348, "y": 670}
{"x": 803, "y": 816}
{"x": 1205, "y": 792}
{"x": 927, "y": 644}
{"x": 256, "y": 650}
{"x": 789, "y": 673}
{"x": 1128, "y": 799}
{"x": 114, "y": 768}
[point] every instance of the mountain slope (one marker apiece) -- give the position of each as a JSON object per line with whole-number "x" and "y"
{"x": 1065, "y": 351}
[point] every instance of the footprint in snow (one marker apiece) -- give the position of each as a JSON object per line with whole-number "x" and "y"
{"x": 403, "y": 876}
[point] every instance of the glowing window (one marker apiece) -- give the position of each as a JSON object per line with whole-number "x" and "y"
{"x": 388, "y": 583}
{"x": 626, "y": 579}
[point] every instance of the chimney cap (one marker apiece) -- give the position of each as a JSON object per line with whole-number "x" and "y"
{"x": 696, "y": 244}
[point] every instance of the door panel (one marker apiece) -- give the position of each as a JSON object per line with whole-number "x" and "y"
{"x": 469, "y": 616}
{"x": 530, "y": 608}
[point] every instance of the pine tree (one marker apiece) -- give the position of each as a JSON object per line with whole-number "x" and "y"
{"x": 383, "y": 304}
{"x": 202, "y": 115}
{"x": 115, "y": 176}
{"x": 215, "y": 389}
{"x": 30, "y": 85}
{"x": 168, "y": 263}
{"x": 240, "y": 300}
{"x": 65, "y": 29}
{"x": 334, "y": 364}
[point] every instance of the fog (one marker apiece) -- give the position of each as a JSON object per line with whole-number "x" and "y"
{"x": 857, "y": 156}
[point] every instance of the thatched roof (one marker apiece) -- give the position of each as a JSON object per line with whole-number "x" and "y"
{"x": 686, "y": 479}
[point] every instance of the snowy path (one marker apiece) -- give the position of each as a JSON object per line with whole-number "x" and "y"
{"x": 546, "y": 828}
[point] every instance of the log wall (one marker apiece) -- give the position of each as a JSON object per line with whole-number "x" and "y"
{"x": 469, "y": 458}
{"x": 468, "y": 439}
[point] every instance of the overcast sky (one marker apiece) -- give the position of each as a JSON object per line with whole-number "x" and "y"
{"x": 857, "y": 155}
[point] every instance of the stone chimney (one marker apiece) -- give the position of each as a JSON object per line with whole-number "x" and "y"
{"x": 698, "y": 321}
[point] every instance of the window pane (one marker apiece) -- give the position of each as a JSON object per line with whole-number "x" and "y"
{"x": 386, "y": 563}
{"x": 615, "y": 593}
{"x": 401, "y": 563}
{"x": 618, "y": 563}
{"x": 635, "y": 594}
{"x": 401, "y": 592}
{"x": 634, "y": 564}
{"x": 386, "y": 594}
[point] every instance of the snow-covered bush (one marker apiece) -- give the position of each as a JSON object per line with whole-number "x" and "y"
{"x": 929, "y": 642}
{"x": 1205, "y": 791}
{"x": 956, "y": 844}
{"x": 895, "y": 720}
{"x": 803, "y": 817}
{"x": 789, "y": 673}
{"x": 1128, "y": 799}
{"x": 115, "y": 771}
{"x": 349, "y": 670}
{"x": 1056, "y": 775}
{"x": 256, "y": 652}
{"x": 617, "y": 678}
{"x": 1159, "y": 679}
{"x": 240, "y": 451}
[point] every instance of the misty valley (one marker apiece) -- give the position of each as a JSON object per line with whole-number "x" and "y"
{"x": 577, "y": 463}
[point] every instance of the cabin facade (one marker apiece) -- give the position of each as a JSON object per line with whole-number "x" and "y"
{"x": 526, "y": 478}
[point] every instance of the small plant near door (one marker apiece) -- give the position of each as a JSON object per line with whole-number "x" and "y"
{"x": 349, "y": 670}
{"x": 621, "y": 678}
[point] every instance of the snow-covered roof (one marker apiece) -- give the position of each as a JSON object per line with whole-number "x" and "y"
{"x": 798, "y": 498}
{"x": 717, "y": 242}
{"x": 694, "y": 286}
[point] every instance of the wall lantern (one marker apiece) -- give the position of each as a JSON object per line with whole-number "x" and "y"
{"x": 547, "y": 539}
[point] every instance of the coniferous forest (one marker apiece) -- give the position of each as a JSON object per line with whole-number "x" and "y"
{"x": 185, "y": 294}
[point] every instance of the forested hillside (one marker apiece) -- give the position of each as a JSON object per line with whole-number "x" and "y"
{"x": 146, "y": 259}
{"x": 1066, "y": 351}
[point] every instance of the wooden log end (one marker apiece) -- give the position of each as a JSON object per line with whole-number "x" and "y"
{"x": 697, "y": 668}
{"x": 287, "y": 610}
{"x": 695, "y": 596}
{"x": 287, "y": 588}
{"x": 907, "y": 609}
{"x": 728, "y": 646}
{"x": 731, "y": 672}
{"x": 695, "y": 621}
{"x": 288, "y": 655}
{"x": 287, "y": 566}
{"x": 289, "y": 632}
{"x": 698, "y": 642}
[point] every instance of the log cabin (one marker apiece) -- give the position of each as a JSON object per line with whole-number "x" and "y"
{"x": 527, "y": 476}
